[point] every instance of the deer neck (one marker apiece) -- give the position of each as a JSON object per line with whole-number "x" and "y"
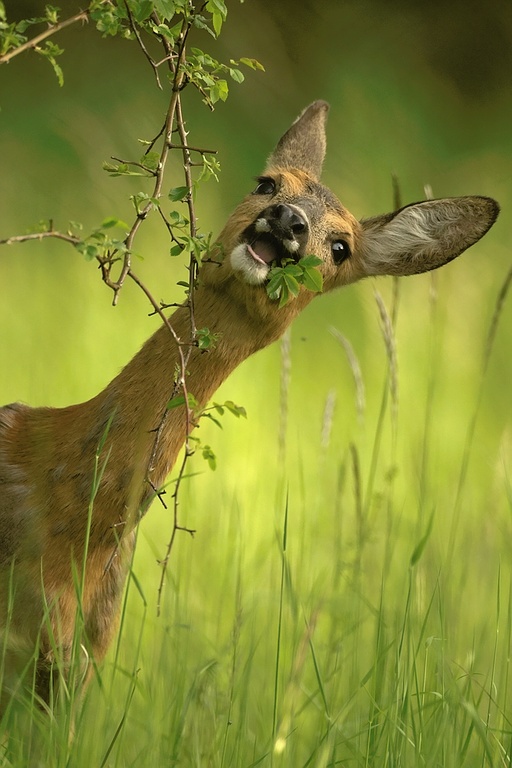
{"x": 144, "y": 434}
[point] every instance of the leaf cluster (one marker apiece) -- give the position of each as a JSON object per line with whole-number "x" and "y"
{"x": 212, "y": 413}
{"x": 14, "y": 34}
{"x": 209, "y": 75}
{"x": 285, "y": 280}
{"x": 100, "y": 244}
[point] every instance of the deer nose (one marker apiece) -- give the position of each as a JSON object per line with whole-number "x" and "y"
{"x": 289, "y": 219}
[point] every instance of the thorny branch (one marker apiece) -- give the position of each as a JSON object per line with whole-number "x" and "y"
{"x": 68, "y": 238}
{"x": 174, "y": 121}
{"x": 174, "y": 116}
{"x": 192, "y": 270}
{"x": 34, "y": 42}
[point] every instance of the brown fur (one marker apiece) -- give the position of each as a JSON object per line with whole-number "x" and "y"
{"x": 47, "y": 456}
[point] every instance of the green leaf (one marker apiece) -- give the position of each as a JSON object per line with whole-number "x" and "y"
{"x": 151, "y": 160}
{"x": 201, "y": 23}
{"x": 206, "y": 339}
{"x": 175, "y": 402}
{"x": 177, "y": 220}
{"x": 275, "y": 281}
{"x": 285, "y": 281}
{"x": 142, "y": 10}
{"x": 252, "y": 63}
{"x": 236, "y": 410}
{"x": 217, "y": 6}
{"x": 176, "y": 250}
{"x": 209, "y": 456}
{"x": 217, "y": 23}
{"x": 165, "y": 8}
{"x": 275, "y": 294}
{"x": 294, "y": 269}
{"x": 112, "y": 221}
{"x": 192, "y": 402}
{"x": 51, "y": 13}
{"x": 122, "y": 169}
{"x": 212, "y": 418}
{"x": 313, "y": 280}
{"x": 310, "y": 261}
{"x": 218, "y": 10}
{"x": 50, "y": 51}
{"x": 88, "y": 250}
{"x": 291, "y": 283}
{"x": 284, "y": 296}
{"x": 237, "y": 76}
{"x": 178, "y": 193}
{"x": 219, "y": 91}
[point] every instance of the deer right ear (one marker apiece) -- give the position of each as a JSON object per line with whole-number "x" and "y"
{"x": 426, "y": 235}
{"x": 303, "y": 144}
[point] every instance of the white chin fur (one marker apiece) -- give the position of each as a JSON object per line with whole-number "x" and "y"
{"x": 251, "y": 271}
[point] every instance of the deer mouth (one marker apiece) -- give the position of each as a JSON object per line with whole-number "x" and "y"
{"x": 254, "y": 257}
{"x": 267, "y": 249}
{"x": 259, "y": 251}
{"x": 262, "y": 252}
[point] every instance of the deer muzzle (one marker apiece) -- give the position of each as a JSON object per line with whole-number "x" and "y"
{"x": 278, "y": 234}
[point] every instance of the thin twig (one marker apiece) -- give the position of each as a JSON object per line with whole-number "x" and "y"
{"x": 136, "y": 164}
{"x": 142, "y": 45}
{"x": 194, "y": 149}
{"x": 52, "y": 30}
{"x": 41, "y": 236}
{"x": 193, "y": 268}
{"x": 116, "y": 285}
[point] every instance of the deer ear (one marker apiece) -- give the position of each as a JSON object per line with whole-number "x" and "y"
{"x": 426, "y": 235}
{"x": 303, "y": 144}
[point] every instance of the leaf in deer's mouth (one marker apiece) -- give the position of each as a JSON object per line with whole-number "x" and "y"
{"x": 262, "y": 251}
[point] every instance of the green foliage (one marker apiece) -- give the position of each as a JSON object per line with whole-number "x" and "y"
{"x": 195, "y": 444}
{"x": 206, "y": 340}
{"x": 285, "y": 280}
{"x": 12, "y": 35}
{"x": 207, "y": 74}
{"x": 178, "y": 193}
{"x": 165, "y": 20}
{"x": 209, "y": 456}
{"x": 50, "y": 51}
{"x": 229, "y": 405}
{"x": 99, "y": 244}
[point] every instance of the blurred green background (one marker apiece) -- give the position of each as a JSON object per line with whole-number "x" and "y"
{"x": 419, "y": 90}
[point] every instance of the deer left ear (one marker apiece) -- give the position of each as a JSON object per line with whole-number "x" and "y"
{"x": 303, "y": 144}
{"x": 426, "y": 235}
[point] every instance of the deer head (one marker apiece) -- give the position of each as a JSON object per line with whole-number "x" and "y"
{"x": 291, "y": 214}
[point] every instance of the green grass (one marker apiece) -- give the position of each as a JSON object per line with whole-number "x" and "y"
{"x": 349, "y": 607}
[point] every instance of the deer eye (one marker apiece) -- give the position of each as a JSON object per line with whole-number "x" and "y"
{"x": 340, "y": 251}
{"x": 266, "y": 186}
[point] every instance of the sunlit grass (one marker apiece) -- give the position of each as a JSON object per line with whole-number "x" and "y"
{"x": 345, "y": 607}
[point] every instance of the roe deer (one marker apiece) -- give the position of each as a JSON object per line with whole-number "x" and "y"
{"x": 47, "y": 455}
